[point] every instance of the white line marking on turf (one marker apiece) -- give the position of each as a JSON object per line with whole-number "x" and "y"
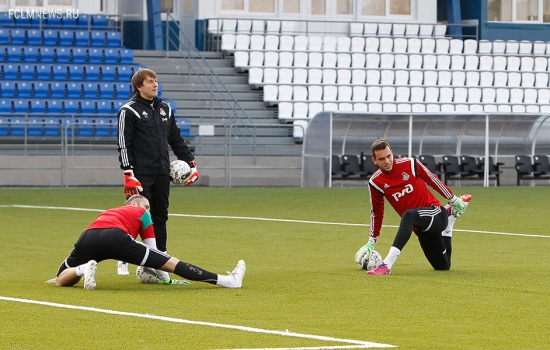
{"x": 266, "y": 219}
{"x": 360, "y": 344}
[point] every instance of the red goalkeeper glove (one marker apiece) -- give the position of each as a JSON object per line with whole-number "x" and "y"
{"x": 131, "y": 184}
{"x": 194, "y": 174}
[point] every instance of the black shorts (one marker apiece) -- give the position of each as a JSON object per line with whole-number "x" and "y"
{"x": 112, "y": 243}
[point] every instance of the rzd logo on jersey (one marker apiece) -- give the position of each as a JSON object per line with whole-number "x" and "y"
{"x": 407, "y": 189}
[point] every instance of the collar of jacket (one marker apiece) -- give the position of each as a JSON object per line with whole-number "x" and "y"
{"x": 137, "y": 98}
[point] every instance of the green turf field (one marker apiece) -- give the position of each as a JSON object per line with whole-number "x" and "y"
{"x": 302, "y": 289}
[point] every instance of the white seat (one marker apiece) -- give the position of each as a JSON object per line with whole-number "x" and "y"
{"x": 512, "y": 47}
{"x": 541, "y": 63}
{"x": 300, "y": 59}
{"x": 343, "y": 60}
{"x": 343, "y": 76}
{"x": 485, "y": 62}
{"x": 459, "y": 78}
{"x": 503, "y": 95}
{"x": 428, "y": 45}
{"x": 271, "y": 59}
{"x": 413, "y": 46}
{"x": 357, "y": 44}
{"x": 285, "y": 110}
{"x": 271, "y": 75}
{"x": 384, "y": 29}
{"x": 476, "y": 108}
{"x": 416, "y": 77}
{"x": 418, "y": 108}
{"x": 356, "y": 29}
{"x": 300, "y": 110}
{"x": 388, "y": 94}
{"x": 285, "y": 93}
{"x": 432, "y": 94}
{"x": 539, "y": 47}
{"x": 370, "y": 28}
{"x": 402, "y": 94}
{"x": 257, "y": 42}
{"x": 329, "y": 43}
{"x": 401, "y": 77}
{"x": 485, "y": 47}
{"x": 499, "y": 63}
{"x": 499, "y": 46}
{"x": 541, "y": 80}
{"x": 343, "y": 44}
{"x": 329, "y": 60}
{"x": 345, "y": 107}
{"x": 433, "y": 108}
{"x": 330, "y": 106}
{"x": 258, "y": 26}
{"x": 359, "y": 93}
{"x": 271, "y": 42}
{"x": 472, "y": 78}
{"x": 456, "y": 46}
{"x": 244, "y": 25}
{"x": 358, "y": 60}
{"x": 527, "y": 64}
{"x": 530, "y": 96}
{"x": 389, "y": 108}
{"x": 545, "y": 109}
{"x": 429, "y": 62}
{"x": 525, "y": 47}
{"x": 504, "y": 108}
{"x": 457, "y": 62}
{"x": 460, "y": 95}
{"x": 286, "y": 59}
{"x": 501, "y": 79}
{"x": 374, "y": 93}
{"x": 442, "y": 45}
{"x": 270, "y": 93}
{"x": 430, "y": 78}
{"x": 255, "y": 76}
{"x": 375, "y": 107}
{"x": 386, "y": 45}
{"x": 330, "y": 92}
{"x": 387, "y": 77}
{"x": 486, "y": 79}
{"x": 513, "y": 63}
{"x": 518, "y": 109}
{"x": 273, "y": 27}
{"x": 401, "y": 61}
{"x": 300, "y": 43}
{"x": 315, "y": 93}
{"x": 285, "y": 76}
{"x": 344, "y": 93}
{"x": 228, "y": 42}
{"x": 516, "y": 96}
{"x": 298, "y": 129}
{"x": 373, "y": 60}
{"x": 404, "y": 108}
{"x": 470, "y": 47}
{"x": 527, "y": 79}
{"x": 543, "y": 97}
{"x": 514, "y": 79}
{"x": 415, "y": 61}
{"x": 214, "y": 26}
{"x": 358, "y": 76}
{"x": 412, "y": 29}
{"x": 315, "y": 43}
{"x": 372, "y": 44}
{"x": 471, "y": 62}
{"x": 299, "y": 76}
{"x": 440, "y": 30}
{"x": 313, "y": 109}
{"x": 299, "y": 93}
{"x": 286, "y": 43}
{"x": 241, "y": 59}
{"x": 446, "y": 94}
{"x": 447, "y": 108}
{"x": 444, "y": 78}
{"x": 426, "y": 30}
{"x": 288, "y": 27}
{"x": 532, "y": 109}
{"x": 400, "y": 45}
{"x": 417, "y": 94}
{"x": 229, "y": 25}
{"x": 373, "y": 77}
{"x": 398, "y": 29}
{"x": 387, "y": 60}
{"x": 462, "y": 108}
{"x": 315, "y": 76}
{"x": 256, "y": 59}
{"x": 490, "y": 108}
{"x": 329, "y": 76}
{"x": 474, "y": 95}
{"x": 360, "y": 107}
{"x": 443, "y": 62}
{"x": 315, "y": 59}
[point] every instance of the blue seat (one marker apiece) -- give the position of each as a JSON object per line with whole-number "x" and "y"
{"x": 18, "y": 36}
{"x": 14, "y": 54}
{"x": 46, "y": 54}
{"x": 30, "y": 54}
{"x": 90, "y": 90}
{"x": 43, "y": 71}
{"x": 21, "y": 106}
{"x": 99, "y": 21}
{"x": 38, "y": 106}
{"x": 126, "y": 56}
{"x": 55, "y": 107}
{"x": 117, "y": 104}
{"x": 85, "y": 127}
{"x": 172, "y": 105}
{"x": 58, "y": 90}
{"x": 50, "y": 37}
{"x": 83, "y": 20}
{"x": 159, "y": 90}
{"x": 66, "y": 37}
{"x": 11, "y": 71}
{"x": 6, "y": 106}
{"x": 41, "y": 89}
{"x": 35, "y": 126}
{"x": 34, "y": 22}
{"x": 52, "y": 126}
{"x": 21, "y": 21}
{"x": 124, "y": 73}
{"x": 87, "y": 107}
{"x": 53, "y": 21}
{"x": 79, "y": 55}
{"x": 74, "y": 90}
{"x": 92, "y": 72}
{"x": 95, "y": 55}
{"x": 71, "y": 106}
{"x": 82, "y": 38}
{"x": 108, "y": 72}
{"x": 3, "y": 50}
{"x": 8, "y": 89}
{"x": 17, "y": 126}
{"x": 26, "y": 71}
{"x": 98, "y": 38}
{"x": 24, "y": 89}
{"x": 106, "y": 90}
{"x": 104, "y": 107}
{"x": 123, "y": 90}
{"x": 185, "y": 126}
{"x": 103, "y": 126}
{"x": 111, "y": 56}
{"x": 4, "y": 126}
{"x": 76, "y": 72}
{"x": 68, "y": 126}
{"x": 4, "y": 36}
{"x": 5, "y": 19}
{"x": 63, "y": 55}
{"x": 59, "y": 72}
{"x": 34, "y": 37}
{"x": 113, "y": 38}
{"x": 68, "y": 21}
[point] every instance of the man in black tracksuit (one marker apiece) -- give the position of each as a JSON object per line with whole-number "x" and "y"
{"x": 146, "y": 131}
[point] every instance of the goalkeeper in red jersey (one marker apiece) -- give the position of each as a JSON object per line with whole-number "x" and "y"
{"x": 113, "y": 235}
{"x": 403, "y": 182}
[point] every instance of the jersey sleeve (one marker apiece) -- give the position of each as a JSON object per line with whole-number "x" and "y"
{"x": 432, "y": 180}
{"x": 146, "y": 230}
{"x": 376, "y": 211}
{"x": 125, "y": 131}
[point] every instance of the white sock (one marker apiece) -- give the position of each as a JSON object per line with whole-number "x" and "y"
{"x": 226, "y": 281}
{"x": 164, "y": 276}
{"x": 80, "y": 269}
{"x": 391, "y": 257}
{"x": 448, "y": 232}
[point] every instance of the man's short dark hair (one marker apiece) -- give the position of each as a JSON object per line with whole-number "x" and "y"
{"x": 379, "y": 145}
{"x": 139, "y": 77}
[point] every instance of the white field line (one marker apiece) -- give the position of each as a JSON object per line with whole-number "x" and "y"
{"x": 266, "y": 219}
{"x": 358, "y": 344}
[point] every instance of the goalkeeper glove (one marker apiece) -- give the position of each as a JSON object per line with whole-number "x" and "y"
{"x": 132, "y": 185}
{"x": 458, "y": 206}
{"x": 364, "y": 253}
{"x": 194, "y": 174}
